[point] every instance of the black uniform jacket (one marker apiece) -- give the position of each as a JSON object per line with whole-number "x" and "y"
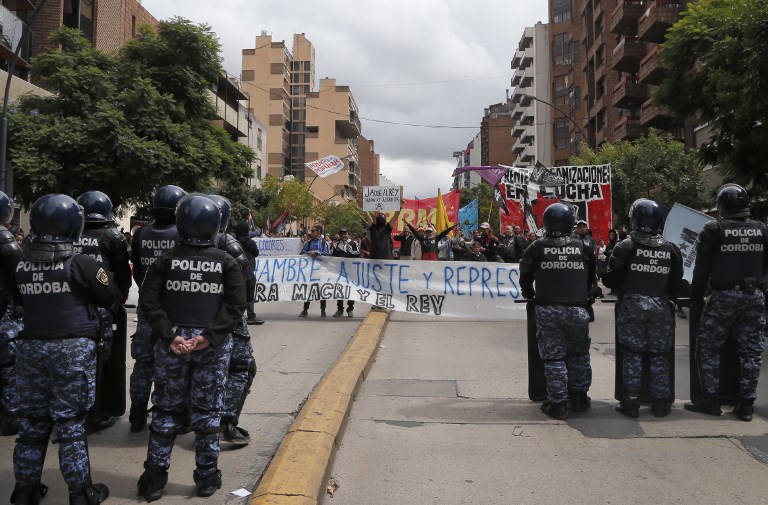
{"x": 227, "y": 318}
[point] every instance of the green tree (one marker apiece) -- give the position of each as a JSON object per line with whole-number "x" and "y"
{"x": 654, "y": 166}
{"x": 488, "y": 209}
{"x": 717, "y": 63}
{"x": 346, "y": 215}
{"x": 275, "y": 196}
{"x": 125, "y": 123}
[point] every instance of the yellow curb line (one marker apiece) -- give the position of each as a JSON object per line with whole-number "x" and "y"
{"x": 298, "y": 472}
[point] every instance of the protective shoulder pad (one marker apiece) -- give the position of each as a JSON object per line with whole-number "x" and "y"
{"x": 8, "y": 245}
{"x": 46, "y": 252}
{"x": 115, "y": 241}
{"x": 231, "y": 246}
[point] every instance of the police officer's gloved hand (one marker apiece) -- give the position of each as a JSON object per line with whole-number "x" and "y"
{"x": 529, "y": 295}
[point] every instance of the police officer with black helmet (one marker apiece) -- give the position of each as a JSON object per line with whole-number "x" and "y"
{"x": 10, "y": 324}
{"x": 102, "y": 241}
{"x": 563, "y": 269}
{"x": 147, "y": 244}
{"x": 732, "y": 258}
{"x": 193, "y": 298}
{"x": 646, "y": 271}
{"x": 56, "y": 362}
{"x": 242, "y": 366}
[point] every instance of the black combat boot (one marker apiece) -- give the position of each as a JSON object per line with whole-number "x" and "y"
{"x": 138, "y": 417}
{"x": 744, "y": 409}
{"x": 660, "y": 408}
{"x": 233, "y": 434}
{"x": 28, "y": 495}
{"x": 706, "y": 405}
{"x": 629, "y": 407}
{"x": 92, "y": 494}
{"x": 579, "y": 401}
{"x": 152, "y": 482}
{"x": 556, "y": 410}
{"x": 206, "y": 486}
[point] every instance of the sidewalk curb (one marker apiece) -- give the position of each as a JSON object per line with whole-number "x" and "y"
{"x": 298, "y": 472}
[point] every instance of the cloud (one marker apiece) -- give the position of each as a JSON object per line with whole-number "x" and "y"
{"x": 396, "y": 56}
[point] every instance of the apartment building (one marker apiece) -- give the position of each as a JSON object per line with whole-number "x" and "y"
{"x": 495, "y": 138}
{"x": 530, "y": 105}
{"x": 640, "y": 26}
{"x": 304, "y": 123}
{"x": 468, "y": 157}
{"x": 369, "y": 165}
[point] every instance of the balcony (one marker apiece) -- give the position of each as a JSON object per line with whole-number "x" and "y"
{"x": 624, "y": 17}
{"x": 656, "y": 117}
{"x": 19, "y": 5}
{"x": 518, "y": 131}
{"x": 517, "y": 59}
{"x": 348, "y": 129}
{"x": 652, "y": 69}
{"x": 629, "y": 94}
{"x": 627, "y": 54}
{"x": 657, "y": 19}
{"x": 628, "y": 128}
{"x": 527, "y": 39}
{"x": 11, "y": 29}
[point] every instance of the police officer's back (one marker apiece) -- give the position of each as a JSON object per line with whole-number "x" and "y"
{"x": 563, "y": 269}
{"x": 732, "y": 257}
{"x": 58, "y": 290}
{"x": 193, "y": 297}
{"x": 646, "y": 271}
{"x": 10, "y": 322}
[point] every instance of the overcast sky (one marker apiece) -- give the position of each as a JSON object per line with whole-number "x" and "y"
{"x": 426, "y": 62}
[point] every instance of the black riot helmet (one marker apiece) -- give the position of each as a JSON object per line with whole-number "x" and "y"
{"x": 56, "y": 218}
{"x": 226, "y": 210}
{"x": 165, "y": 200}
{"x": 97, "y": 207}
{"x": 6, "y": 209}
{"x": 198, "y": 220}
{"x": 732, "y": 201}
{"x": 558, "y": 220}
{"x": 646, "y": 216}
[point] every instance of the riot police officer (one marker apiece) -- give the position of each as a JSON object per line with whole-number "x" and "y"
{"x": 102, "y": 241}
{"x": 56, "y": 361}
{"x": 193, "y": 298}
{"x": 10, "y": 324}
{"x": 733, "y": 258}
{"x": 564, "y": 271}
{"x": 646, "y": 271}
{"x": 149, "y": 243}
{"x": 242, "y": 365}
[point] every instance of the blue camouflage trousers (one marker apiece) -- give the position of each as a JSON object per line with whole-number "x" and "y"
{"x": 10, "y": 326}
{"x": 143, "y": 352}
{"x": 645, "y": 325}
{"x": 563, "y": 334}
{"x": 194, "y": 381}
{"x": 242, "y": 369}
{"x": 55, "y": 388}
{"x": 741, "y": 315}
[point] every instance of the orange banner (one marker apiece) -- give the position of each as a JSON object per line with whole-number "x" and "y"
{"x": 423, "y": 212}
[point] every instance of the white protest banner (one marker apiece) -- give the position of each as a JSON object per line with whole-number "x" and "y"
{"x": 325, "y": 166}
{"x": 682, "y": 228}
{"x": 455, "y": 288}
{"x": 381, "y": 198}
{"x": 278, "y": 246}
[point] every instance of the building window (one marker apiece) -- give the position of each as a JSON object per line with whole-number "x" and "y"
{"x": 575, "y": 52}
{"x": 560, "y": 47}
{"x": 133, "y": 26}
{"x": 259, "y": 140}
{"x": 561, "y": 133}
{"x": 561, "y": 11}
{"x": 561, "y": 85}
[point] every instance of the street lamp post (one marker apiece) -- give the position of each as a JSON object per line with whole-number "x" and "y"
{"x": 578, "y": 127}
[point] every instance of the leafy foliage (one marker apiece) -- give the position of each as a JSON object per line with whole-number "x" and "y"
{"x": 655, "y": 167}
{"x": 275, "y": 196}
{"x": 718, "y": 71}
{"x": 127, "y": 123}
{"x": 347, "y": 215}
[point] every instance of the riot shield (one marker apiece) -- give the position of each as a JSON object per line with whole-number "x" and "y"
{"x": 729, "y": 362}
{"x": 110, "y": 376}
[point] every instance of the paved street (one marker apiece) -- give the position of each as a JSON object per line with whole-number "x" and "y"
{"x": 444, "y": 418}
{"x": 292, "y": 354}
